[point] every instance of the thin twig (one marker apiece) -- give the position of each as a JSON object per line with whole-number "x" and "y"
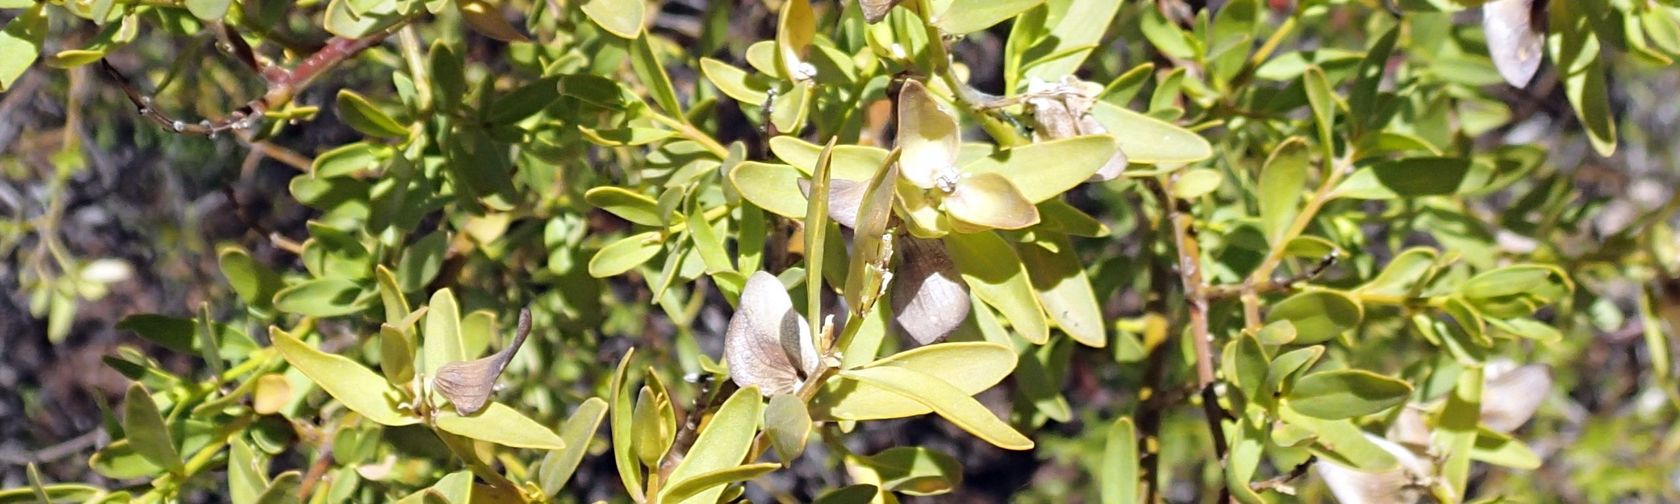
{"x": 1218, "y": 292}
{"x": 1281, "y": 481}
{"x": 1177, "y": 214}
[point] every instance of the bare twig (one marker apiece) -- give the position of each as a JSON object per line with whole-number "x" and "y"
{"x": 1281, "y": 481}
{"x": 283, "y": 84}
{"x": 1177, "y": 214}
{"x": 1217, "y": 292}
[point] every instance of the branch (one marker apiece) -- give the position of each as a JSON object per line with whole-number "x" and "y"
{"x": 1177, "y": 214}
{"x": 1217, "y": 292}
{"x": 283, "y": 84}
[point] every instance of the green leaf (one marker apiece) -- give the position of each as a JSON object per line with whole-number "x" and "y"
{"x": 208, "y": 10}
{"x": 686, "y": 489}
{"x": 1457, "y": 429}
{"x": 247, "y": 474}
{"x": 1501, "y": 449}
{"x": 968, "y": 16}
{"x": 1414, "y": 177}
{"x": 1072, "y": 161}
{"x": 1147, "y": 140}
{"x": 795, "y": 27}
{"x": 816, "y": 231}
{"x": 618, "y": 17}
{"x": 1119, "y": 476}
{"x": 253, "y": 282}
{"x": 625, "y": 254}
{"x": 1318, "y": 315}
{"x": 914, "y": 470}
{"x": 620, "y": 407}
{"x": 849, "y": 162}
{"x": 1321, "y": 96}
{"x": 987, "y": 201}
{"x": 1281, "y": 372}
{"x": 773, "y": 187}
{"x": 1282, "y": 180}
{"x": 1362, "y": 100}
{"x": 21, "y": 43}
{"x": 557, "y": 467}
{"x": 991, "y": 268}
{"x": 359, "y": 388}
{"x": 1196, "y": 182}
{"x": 340, "y": 20}
{"x": 525, "y": 101}
{"x": 283, "y": 490}
{"x": 422, "y": 260}
{"x": 748, "y": 89}
{"x": 788, "y": 423}
{"x": 1071, "y": 38}
{"x": 1404, "y": 274}
{"x": 652, "y": 74}
{"x": 1576, "y": 51}
{"x": 1062, "y": 286}
{"x": 1341, "y": 441}
{"x": 146, "y": 430}
{"x": 971, "y": 366}
{"x": 655, "y": 422}
{"x": 708, "y": 243}
{"x": 502, "y": 425}
{"x": 440, "y": 341}
{"x": 323, "y": 297}
{"x": 853, "y": 494}
{"x": 625, "y": 203}
{"x": 486, "y": 18}
{"x": 722, "y": 444}
{"x": 62, "y": 492}
{"x": 1346, "y": 393}
{"x": 946, "y": 400}
{"x": 363, "y": 116}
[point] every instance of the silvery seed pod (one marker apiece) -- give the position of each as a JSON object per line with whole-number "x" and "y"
{"x": 768, "y": 344}
{"x": 468, "y": 384}
{"x": 1063, "y": 110}
{"x": 929, "y": 298}
{"x": 876, "y": 10}
{"x": 1516, "y": 38}
{"x": 1510, "y": 397}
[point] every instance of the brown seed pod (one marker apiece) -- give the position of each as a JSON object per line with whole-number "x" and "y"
{"x": 468, "y": 384}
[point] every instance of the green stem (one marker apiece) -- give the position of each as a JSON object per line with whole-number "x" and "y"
{"x": 692, "y": 133}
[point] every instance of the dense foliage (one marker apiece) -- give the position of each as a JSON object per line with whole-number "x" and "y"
{"x": 1025, "y": 250}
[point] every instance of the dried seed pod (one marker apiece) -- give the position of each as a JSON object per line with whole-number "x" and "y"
{"x": 1511, "y": 397}
{"x": 768, "y": 344}
{"x": 876, "y": 10}
{"x": 468, "y": 384}
{"x": 1516, "y": 38}
{"x": 1407, "y": 483}
{"x": 928, "y": 137}
{"x": 1063, "y": 110}
{"x": 844, "y": 196}
{"x": 929, "y": 298}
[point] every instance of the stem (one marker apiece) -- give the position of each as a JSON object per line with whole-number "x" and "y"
{"x": 1177, "y": 214}
{"x": 167, "y": 484}
{"x": 692, "y": 133}
{"x": 1263, "y": 273}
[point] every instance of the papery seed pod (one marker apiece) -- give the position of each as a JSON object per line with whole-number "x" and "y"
{"x": 468, "y": 384}
{"x": 985, "y": 201}
{"x": 927, "y": 135}
{"x": 1516, "y": 37}
{"x": 1063, "y": 110}
{"x": 1406, "y": 483}
{"x": 929, "y": 298}
{"x": 768, "y": 344}
{"x": 844, "y": 196}
{"x": 1511, "y": 397}
{"x": 876, "y": 10}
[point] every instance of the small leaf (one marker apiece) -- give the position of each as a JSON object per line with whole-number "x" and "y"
{"x": 1318, "y": 315}
{"x": 1147, "y": 140}
{"x": 440, "y": 341}
{"x": 622, "y": 18}
{"x": 620, "y": 407}
{"x": 745, "y": 88}
{"x": 788, "y": 424}
{"x": 946, "y": 400}
{"x": 1196, "y": 182}
{"x": 773, "y": 187}
{"x": 486, "y": 19}
{"x": 971, "y": 366}
{"x": 1414, "y": 177}
{"x": 625, "y": 254}
{"x": 323, "y": 297}
{"x": 146, "y": 431}
{"x": 625, "y": 203}
{"x": 1282, "y": 181}
{"x": 1501, "y": 449}
{"x": 1062, "y": 286}
{"x": 359, "y": 388}
{"x": 968, "y": 16}
{"x": 914, "y": 470}
{"x": 253, "y": 282}
{"x": 363, "y": 116}
{"x": 1404, "y": 273}
{"x": 1044, "y": 170}
{"x": 502, "y": 425}
{"x": 1346, "y": 393}
{"x": 1321, "y": 96}
{"x": 992, "y": 269}
{"x": 652, "y": 74}
{"x": 1119, "y": 476}
{"x": 722, "y": 444}
{"x": 208, "y": 10}
{"x": 680, "y": 491}
{"x": 557, "y": 467}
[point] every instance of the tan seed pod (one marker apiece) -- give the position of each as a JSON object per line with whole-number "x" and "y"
{"x": 768, "y": 344}
{"x": 1516, "y": 38}
{"x": 1406, "y": 483}
{"x": 876, "y": 10}
{"x": 929, "y": 298}
{"x": 468, "y": 384}
{"x": 1510, "y": 398}
{"x": 1063, "y": 110}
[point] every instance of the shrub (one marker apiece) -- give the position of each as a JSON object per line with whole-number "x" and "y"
{"x": 1038, "y": 250}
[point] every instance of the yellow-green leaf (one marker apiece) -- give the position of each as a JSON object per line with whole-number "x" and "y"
{"x": 359, "y": 388}
{"x": 502, "y": 425}
{"x": 946, "y": 400}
